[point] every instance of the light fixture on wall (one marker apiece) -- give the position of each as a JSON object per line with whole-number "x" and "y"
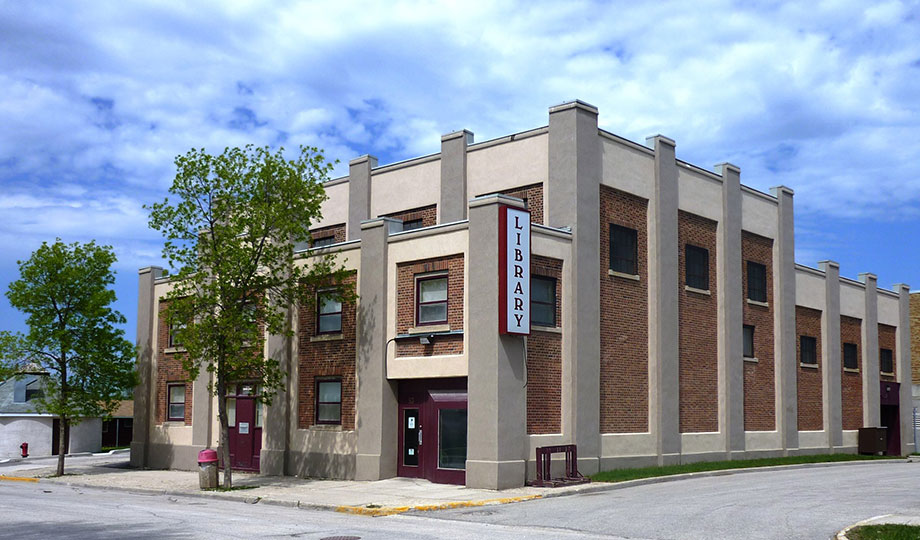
{"x": 425, "y": 339}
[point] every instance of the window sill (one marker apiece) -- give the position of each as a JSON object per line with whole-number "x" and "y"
{"x": 751, "y": 359}
{"x": 850, "y": 370}
{"x": 809, "y": 366}
{"x": 614, "y": 273}
{"x": 326, "y": 337}
{"x": 758, "y": 303}
{"x": 694, "y": 290}
{"x": 429, "y": 329}
{"x": 552, "y": 329}
{"x": 326, "y": 427}
{"x": 173, "y": 350}
{"x": 886, "y": 373}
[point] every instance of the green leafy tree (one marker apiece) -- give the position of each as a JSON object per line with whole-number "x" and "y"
{"x": 230, "y": 235}
{"x": 73, "y": 333}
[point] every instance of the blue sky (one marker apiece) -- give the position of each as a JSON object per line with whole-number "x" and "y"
{"x": 97, "y": 99}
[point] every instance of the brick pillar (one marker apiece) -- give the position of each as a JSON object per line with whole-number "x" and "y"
{"x": 731, "y": 315}
{"x": 497, "y": 438}
{"x": 903, "y": 369}
{"x": 572, "y": 191}
{"x": 784, "y": 334}
{"x": 377, "y": 409}
{"x": 144, "y": 392}
{"x": 831, "y": 350}
{"x": 663, "y": 315}
{"x": 359, "y": 193}
{"x": 870, "y": 377}
{"x": 453, "y": 202}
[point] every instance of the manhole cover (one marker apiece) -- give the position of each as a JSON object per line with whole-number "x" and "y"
{"x": 341, "y": 538}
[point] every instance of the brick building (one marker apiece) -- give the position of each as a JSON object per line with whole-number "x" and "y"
{"x": 669, "y": 323}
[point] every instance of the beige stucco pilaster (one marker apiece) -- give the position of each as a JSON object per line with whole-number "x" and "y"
{"x": 870, "y": 375}
{"x": 731, "y": 320}
{"x": 905, "y": 407}
{"x": 144, "y": 397}
{"x": 359, "y": 193}
{"x": 376, "y": 419}
{"x": 786, "y": 361}
{"x": 496, "y": 444}
{"x": 453, "y": 199}
{"x": 831, "y": 350}
{"x": 276, "y": 442}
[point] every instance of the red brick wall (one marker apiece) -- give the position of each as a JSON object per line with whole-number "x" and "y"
{"x": 405, "y": 305}
{"x": 544, "y": 361}
{"x": 428, "y": 215}
{"x": 887, "y": 339}
{"x": 699, "y": 332}
{"x": 335, "y": 231}
{"x": 759, "y": 393}
{"x": 325, "y": 358}
{"x": 915, "y": 337}
{"x": 533, "y": 196}
{"x": 808, "y": 383}
{"x": 624, "y": 321}
{"x": 851, "y": 382}
{"x": 169, "y": 370}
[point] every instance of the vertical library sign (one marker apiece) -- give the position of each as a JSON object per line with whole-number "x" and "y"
{"x": 513, "y": 271}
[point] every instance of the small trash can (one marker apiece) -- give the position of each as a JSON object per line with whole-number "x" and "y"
{"x": 207, "y": 469}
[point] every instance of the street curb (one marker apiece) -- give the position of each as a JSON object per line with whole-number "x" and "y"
{"x": 391, "y": 510}
{"x": 842, "y": 535}
{"x": 18, "y": 479}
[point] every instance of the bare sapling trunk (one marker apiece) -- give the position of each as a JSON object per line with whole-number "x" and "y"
{"x": 223, "y": 444}
{"x": 62, "y": 424}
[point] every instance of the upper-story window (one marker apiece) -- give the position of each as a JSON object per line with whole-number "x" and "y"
{"x": 757, "y": 281}
{"x": 174, "y": 340}
{"x": 624, "y": 250}
{"x": 325, "y": 241}
{"x": 748, "y": 346}
{"x": 431, "y": 299}
{"x": 328, "y": 312}
{"x": 808, "y": 350}
{"x": 543, "y": 301}
{"x": 850, "y": 360}
{"x": 886, "y": 361}
{"x": 697, "y": 267}
{"x": 412, "y": 224}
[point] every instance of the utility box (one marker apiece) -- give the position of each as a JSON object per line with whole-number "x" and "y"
{"x": 207, "y": 469}
{"x": 873, "y": 440}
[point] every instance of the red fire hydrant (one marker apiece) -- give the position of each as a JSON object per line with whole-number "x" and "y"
{"x": 24, "y": 448}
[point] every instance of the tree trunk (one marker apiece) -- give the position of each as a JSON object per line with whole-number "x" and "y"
{"x": 62, "y": 428}
{"x": 223, "y": 444}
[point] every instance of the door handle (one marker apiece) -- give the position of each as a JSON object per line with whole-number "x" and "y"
{"x": 419, "y": 437}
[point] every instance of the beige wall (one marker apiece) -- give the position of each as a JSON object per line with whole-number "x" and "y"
{"x": 405, "y": 187}
{"x": 627, "y": 166}
{"x": 493, "y": 168}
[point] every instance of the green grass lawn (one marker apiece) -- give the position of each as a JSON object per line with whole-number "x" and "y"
{"x": 884, "y": 532}
{"x": 621, "y": 475}
{"x": 110, "y": 448}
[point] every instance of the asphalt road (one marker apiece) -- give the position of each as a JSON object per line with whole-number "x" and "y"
{"x": 802, "y": 503}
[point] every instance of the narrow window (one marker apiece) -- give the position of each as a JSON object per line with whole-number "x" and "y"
{"x": 885, "y": 361}
{"x": 431, "y": 300}
{"x": 328, "y": 313}
{"x": 697, "y": 267}
{"x": 757, "y": 281}
{"x": 849, "y": 356}
{"x": 174, "y": 329}
{"x": 412, "y": 224}
{"x": 808, "y": 351}
{"x": 543, "y": 301}
{"x": 329, "y": 401}
{"x": 176, "y": 402}
{"x": 624, "y": 250}
{"x": 748, "y": 341}
{"x": 324, "y": 241}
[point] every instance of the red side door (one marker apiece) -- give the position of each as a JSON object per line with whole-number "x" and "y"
{"x": 245, "y": 437}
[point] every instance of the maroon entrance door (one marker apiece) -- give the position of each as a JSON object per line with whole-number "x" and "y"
{"x": 433, "y": 430}
{"x": 245, "y": 434}
{"x": 890, "y": 417}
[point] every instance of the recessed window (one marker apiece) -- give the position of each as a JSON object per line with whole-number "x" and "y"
{"x": 748, "y": 341}
{"x": 324, "y": 241}
{"x": 329, "y": 401}
{"x": 543, "y": 301}
{"x": 697, "y": 267}
{"x": 328, "y": 312}
{"x": 808, "y": 350}
{"x": 176, "y": 402}
{"x": 431, "y": 300}
{"x": 412, "y": 224}
{"x": 757, "y": 281}
{"x": 886, "y": 361}
{"x": 850, "y": 360}
{"x": 624, "y": 250}
{"x": 174, "y": 335}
